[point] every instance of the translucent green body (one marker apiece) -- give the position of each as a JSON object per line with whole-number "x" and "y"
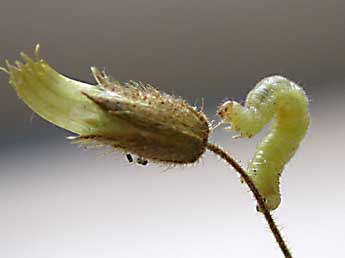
{"x": 278, "y": 98}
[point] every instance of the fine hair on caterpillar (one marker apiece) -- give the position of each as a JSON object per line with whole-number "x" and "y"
{"x": 286, "y": 102}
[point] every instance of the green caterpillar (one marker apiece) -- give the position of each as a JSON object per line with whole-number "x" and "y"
{"x": 273, "y": 97}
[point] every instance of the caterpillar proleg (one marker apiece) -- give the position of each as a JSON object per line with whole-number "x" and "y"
{"x": 283, "y": 100}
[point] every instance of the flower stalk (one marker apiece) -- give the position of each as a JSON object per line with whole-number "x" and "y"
{"x": 260, "y": 200}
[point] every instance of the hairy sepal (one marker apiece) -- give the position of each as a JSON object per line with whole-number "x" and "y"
{"x": 133, "y": 117}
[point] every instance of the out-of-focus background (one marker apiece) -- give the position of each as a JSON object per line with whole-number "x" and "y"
{"x": 59, "y": 201}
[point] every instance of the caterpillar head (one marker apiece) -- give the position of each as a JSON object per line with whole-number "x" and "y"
{"x": 229, "y": 112}
{"x": 236, "y": 115}
{"x": 225, "y": 110}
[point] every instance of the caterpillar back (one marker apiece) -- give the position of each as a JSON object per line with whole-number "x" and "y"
{"x": 283, "y": 100}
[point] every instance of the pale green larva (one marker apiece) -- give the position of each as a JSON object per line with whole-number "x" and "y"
{"x": 273, "y": 97}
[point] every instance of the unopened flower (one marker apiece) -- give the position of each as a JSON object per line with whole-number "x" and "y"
{"x": 132, "y": 117}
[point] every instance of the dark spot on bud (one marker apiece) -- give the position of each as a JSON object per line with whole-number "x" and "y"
{"x": 129, "y": 158}
{"x": 142, "y": 161}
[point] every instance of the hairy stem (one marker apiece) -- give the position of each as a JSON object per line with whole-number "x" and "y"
{"x": 261, "y": 203}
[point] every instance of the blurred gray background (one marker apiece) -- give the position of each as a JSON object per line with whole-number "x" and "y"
{"x": 61, "y": 201}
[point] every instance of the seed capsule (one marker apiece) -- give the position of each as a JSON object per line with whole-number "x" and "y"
{"x": 132, "y": 117}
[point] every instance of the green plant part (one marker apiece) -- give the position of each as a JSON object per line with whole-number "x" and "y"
{"x": 273, "y": 97}
{"x": 133, "y": 117}
{"x": 139, "y": 119}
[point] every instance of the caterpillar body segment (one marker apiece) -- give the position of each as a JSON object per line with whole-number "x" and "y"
{"x": 286, "y": 103}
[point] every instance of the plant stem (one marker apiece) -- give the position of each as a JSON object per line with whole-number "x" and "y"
{"x": 261, "y": 203}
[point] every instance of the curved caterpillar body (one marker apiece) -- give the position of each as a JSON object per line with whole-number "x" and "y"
{"x": 273, "y": 97}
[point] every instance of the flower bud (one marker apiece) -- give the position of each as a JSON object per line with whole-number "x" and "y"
{"x": 132, "y": 117}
